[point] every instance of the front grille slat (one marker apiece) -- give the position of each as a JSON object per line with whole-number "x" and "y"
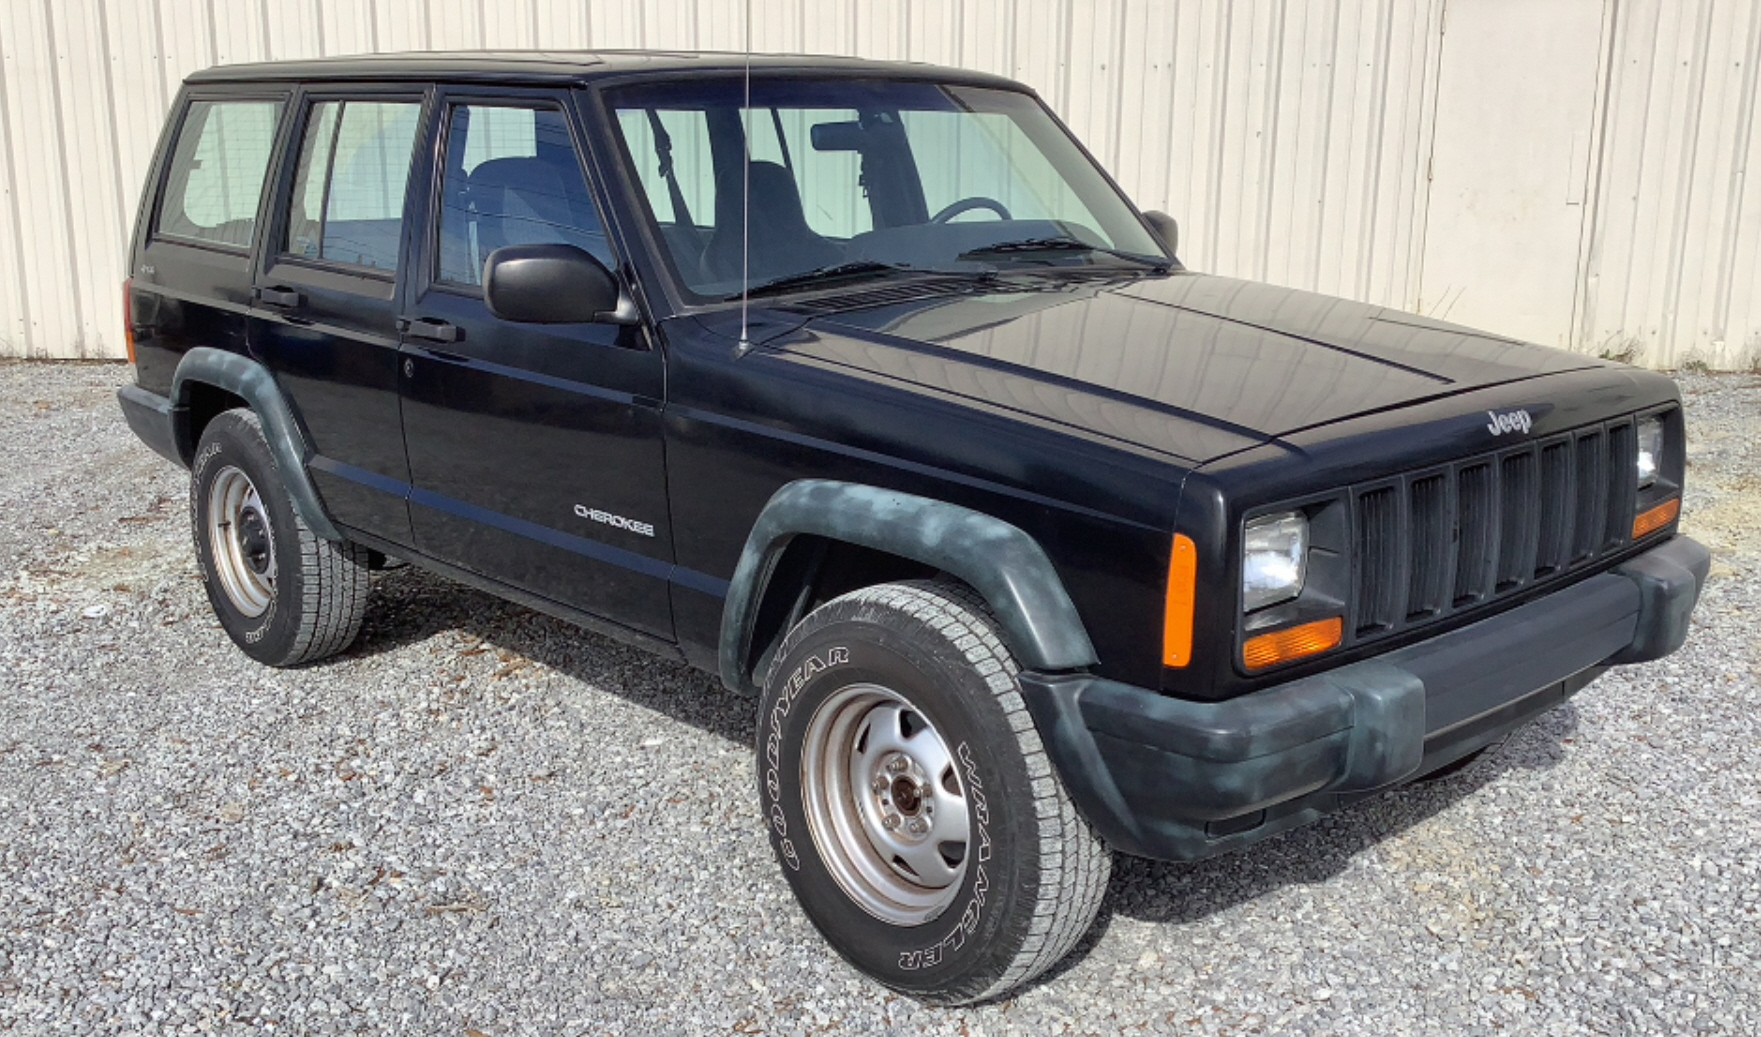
{"x": 1433, "y": 541}
{"x": 1439, "y": 541}
{"x": 1476, "y": 533}
{"x": 1557, "y": 499}
{"x": 1378, "y": 552}
{"x": 1592, "y": 503}
{"x": 1517, "y": 524}
{"x": 1623, "y": 483}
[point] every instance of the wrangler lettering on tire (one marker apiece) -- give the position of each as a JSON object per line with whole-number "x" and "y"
{"x": 911, "y": 802}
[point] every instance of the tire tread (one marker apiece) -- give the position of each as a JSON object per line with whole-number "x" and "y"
{"x": 1075, "y": 864}
{"x": 334, "y": 578}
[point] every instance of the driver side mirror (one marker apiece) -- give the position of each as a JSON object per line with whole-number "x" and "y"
{"x": 1166, "y": 228}
{"x": 552, "y": 284}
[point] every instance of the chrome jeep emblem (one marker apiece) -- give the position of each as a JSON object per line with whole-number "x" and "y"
{"x": 1509, "y": 421}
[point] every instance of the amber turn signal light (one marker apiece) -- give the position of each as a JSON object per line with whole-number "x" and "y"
{"x": 1282, "y": 646}
{"x": 1656, "y": 516}
{"x": 1177, "y": 618}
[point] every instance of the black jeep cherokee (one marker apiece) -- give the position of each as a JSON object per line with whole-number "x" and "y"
{"x": 864, "y": 386}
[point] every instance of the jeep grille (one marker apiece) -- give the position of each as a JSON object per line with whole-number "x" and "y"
{"x": 1442, "y": 540}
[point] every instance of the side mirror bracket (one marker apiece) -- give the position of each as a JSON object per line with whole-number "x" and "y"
{"x": 623, "y": 314}
{"x": 1166, "y": 228}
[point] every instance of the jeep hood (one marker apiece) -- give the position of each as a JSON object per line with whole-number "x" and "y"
{"x": 1191, "y": 365}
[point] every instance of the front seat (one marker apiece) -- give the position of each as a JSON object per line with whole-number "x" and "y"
{"x": 782, "y": 242}
{"x": 528, "y": 201}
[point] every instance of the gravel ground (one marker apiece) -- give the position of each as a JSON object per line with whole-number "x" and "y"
{"x": 482, "y": 821}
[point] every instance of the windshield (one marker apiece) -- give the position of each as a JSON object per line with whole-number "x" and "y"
{"x": 859, "y": 178}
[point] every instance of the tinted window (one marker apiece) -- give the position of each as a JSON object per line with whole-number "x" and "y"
{"x": 511, "y": 178}
{"x": 989, "y": 155}
{"x": 681, "y": 147}
{"x": 847, "y": 171}
{"x": 217, "y": 171}
{"x": 348, "y": 197}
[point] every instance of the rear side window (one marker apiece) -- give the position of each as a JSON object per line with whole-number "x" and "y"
{"x": 511, "y": 178}
{"x": 347, "y": 203}
{"x": 217, "y": 171}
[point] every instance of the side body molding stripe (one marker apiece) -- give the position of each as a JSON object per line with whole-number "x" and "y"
{"x": 246, "y": 378}
{"x": 1005, "y": 565}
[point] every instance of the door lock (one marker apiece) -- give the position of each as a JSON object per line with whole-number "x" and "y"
{"x": 409, "y": 368}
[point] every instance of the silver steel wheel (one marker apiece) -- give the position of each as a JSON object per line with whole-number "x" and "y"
{"x": 885, "y": 804}
{"x": 242, "y": 542}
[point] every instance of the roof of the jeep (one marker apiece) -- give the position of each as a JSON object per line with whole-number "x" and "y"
{"x": 571, "y": 66}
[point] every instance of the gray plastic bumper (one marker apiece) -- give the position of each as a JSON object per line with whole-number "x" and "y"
{"x": 150, "y": 417}
{"x": 1178, "y": 780}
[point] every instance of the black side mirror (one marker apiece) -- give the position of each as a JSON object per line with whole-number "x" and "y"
{"x": 550, "y": 284}
{"x": 1166, "y": 228}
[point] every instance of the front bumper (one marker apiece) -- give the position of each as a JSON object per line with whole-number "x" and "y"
{"x": 1178, "y": 780}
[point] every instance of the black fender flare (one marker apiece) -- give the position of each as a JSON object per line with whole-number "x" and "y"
{"x": 252, "y": 382}
{"x": 1005, "y": 565}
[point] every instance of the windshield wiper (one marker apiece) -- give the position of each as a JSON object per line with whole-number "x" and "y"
{"x": 835, "y": 272}
{"x": 1027, "y": 245}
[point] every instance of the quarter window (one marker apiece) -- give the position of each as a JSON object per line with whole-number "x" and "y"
{"x": 348, "y": 195}
{"x": 511, "y": 178}
{"x": 217, "y": 171}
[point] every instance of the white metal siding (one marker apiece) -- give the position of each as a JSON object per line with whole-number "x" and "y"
{"x": 1295, "y": 141}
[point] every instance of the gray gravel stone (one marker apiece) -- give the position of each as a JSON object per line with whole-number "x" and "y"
{"x": 482, "y": 819}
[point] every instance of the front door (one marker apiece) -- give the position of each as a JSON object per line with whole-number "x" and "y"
{"x": 535, "y": 450}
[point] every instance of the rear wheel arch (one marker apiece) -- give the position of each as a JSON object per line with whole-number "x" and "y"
{"x": 210, "y": 381}
{"x": 201, "y": 404}
{"x": 817, "y": 539}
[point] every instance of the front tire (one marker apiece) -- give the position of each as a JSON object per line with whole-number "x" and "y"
{"x": 283, "y": 594}
{"x": 911, "y": 803}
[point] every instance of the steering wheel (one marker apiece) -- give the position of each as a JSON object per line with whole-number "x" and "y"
{"x": 977, "y": 201}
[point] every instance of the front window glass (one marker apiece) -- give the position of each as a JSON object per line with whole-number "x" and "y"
{"x": 511, "y": 178}
{"x": 866, "y": 178}
{"x": 217, "y": 171}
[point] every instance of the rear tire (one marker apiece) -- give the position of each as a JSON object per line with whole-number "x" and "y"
{"x": 911, "y": 803}
{"x": 284, "y": 595}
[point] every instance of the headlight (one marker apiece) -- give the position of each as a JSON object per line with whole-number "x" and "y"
{"x": 1274, "y": 559}
{"x": 1650, "y": 450}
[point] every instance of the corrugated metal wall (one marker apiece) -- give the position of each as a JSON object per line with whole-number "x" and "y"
{"x": 1673, "y": 273}
{"x": 1294, "y": 140}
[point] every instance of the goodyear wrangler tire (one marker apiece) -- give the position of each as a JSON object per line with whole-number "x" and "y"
{"x": 910, "y": 802}
{"x": 284, "y": 595}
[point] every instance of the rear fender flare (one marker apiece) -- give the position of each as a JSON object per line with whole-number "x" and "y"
{"x": 1005, "y": 565}
{"x": 252, "y": 382}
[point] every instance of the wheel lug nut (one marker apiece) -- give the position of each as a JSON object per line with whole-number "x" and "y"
{"x": 918, "y": 827}
{"x": 880, "y": 784}
{"x": 889, "y": 822}
{"x": 896, "y": 764}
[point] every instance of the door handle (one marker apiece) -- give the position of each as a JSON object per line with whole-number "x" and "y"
{"x": 285, "y": 298}
{"x": 431, "y": 330}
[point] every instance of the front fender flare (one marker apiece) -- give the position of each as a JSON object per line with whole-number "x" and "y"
{"x": 1005, "y": 565}
{"x": 252, "y": 382}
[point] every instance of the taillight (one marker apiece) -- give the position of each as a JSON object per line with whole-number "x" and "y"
{"x": 128, "y": 323}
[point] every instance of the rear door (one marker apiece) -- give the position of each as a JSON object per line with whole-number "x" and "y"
{"x": 535, "y": 450}
{"x": 327, "y": 295}
{"x": 192, "y": 277}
